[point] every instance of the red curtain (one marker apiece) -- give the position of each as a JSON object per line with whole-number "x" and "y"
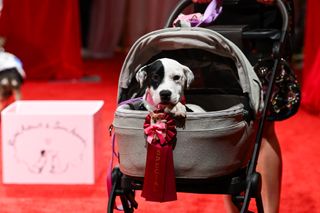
{"x": 311, "y": 70}
{"x": 45, "y": 35}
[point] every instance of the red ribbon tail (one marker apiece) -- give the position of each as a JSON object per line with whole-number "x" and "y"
{"x": 170, "y": 181}
{"x": 159, "y": 180}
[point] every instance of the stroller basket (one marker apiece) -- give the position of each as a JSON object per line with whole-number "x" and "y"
{"x": 200, "y": 146}
{"x": 213, "y": 143}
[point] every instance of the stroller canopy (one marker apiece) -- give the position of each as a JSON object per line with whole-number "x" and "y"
{"x": 168, "y": 39}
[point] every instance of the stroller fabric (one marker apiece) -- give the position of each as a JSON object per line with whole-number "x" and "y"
{"x": 213, "y": 143}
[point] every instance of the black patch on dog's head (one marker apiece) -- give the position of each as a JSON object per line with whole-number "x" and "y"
{"x": 10, "y": 75}
{"x": 143, "y": 79}
{"x": 155, "y": 74}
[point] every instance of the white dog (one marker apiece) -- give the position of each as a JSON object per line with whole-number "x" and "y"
{"x": 165, "y": 80}
{"x": 12, "y": 76}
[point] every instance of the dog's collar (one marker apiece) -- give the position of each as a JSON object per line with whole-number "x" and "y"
{"x": 183, "y": 100}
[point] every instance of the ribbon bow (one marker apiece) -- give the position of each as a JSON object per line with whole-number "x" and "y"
{"x": 162, "y": 130}
{"x": 156, "y": 133}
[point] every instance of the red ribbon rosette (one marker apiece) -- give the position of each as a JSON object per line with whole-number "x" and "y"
{"x": 160, "y": 128}
{"x": 159, "y": 180}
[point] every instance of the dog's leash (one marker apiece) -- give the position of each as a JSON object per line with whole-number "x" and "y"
{"x": 130, "y": 101}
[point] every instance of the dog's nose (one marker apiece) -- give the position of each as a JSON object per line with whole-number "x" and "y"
{"x": 165, "y": 95}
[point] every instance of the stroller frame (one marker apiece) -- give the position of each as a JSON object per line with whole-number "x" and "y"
{"x": 244, "y": 184}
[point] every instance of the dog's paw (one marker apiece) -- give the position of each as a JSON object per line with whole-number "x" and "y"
{"x": 179, "y": 110}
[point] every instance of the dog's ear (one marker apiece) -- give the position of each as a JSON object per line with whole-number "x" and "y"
{"x": 141, "y": 75}
{"x": 189, "y": 75}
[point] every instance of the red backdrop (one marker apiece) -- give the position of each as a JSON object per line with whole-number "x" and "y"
{"x": 45, "y": 35}
{"x": 311, "y": 71}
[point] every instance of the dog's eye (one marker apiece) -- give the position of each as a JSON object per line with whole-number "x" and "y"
{"x": 155, "y": 77}
{"x": 176, "y": 77}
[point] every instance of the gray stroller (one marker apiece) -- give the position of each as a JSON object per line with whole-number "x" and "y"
{"x": 217, "y": 151}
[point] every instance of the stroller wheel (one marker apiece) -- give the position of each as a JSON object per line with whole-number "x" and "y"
{"x": 120, "y": 188}
{"x": 253, "y": 191}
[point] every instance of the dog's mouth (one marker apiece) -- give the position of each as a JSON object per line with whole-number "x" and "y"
{"x": 166, "y": 103}
{"x": 166, "y": 100}
{"x": 163, "y": 105}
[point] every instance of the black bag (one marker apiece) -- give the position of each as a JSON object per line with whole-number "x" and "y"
{"x": 286, "y": 94}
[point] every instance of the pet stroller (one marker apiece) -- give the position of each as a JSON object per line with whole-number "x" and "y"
{"x": 217, "y": 151}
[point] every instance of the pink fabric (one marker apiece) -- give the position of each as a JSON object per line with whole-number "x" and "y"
{"x": 212, "y": 12}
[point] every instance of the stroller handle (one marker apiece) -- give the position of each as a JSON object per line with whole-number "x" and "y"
{"x": 185, "y": 3}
